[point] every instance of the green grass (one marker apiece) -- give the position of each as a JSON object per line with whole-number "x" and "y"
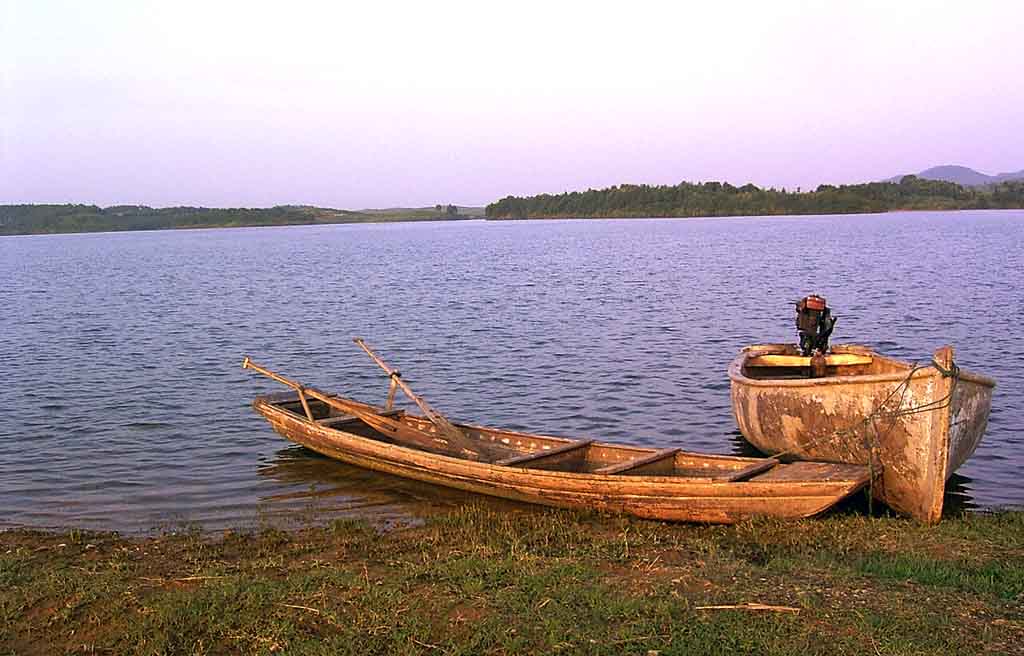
{"x": 1002, "y": 579}
{"x": 478, "y": 581}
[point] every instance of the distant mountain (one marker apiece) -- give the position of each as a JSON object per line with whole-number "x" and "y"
{"x": 963, "y": 175}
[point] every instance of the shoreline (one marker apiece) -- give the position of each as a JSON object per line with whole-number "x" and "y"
{"x": 756, "y": 216}
{"x": 502, "y": 219}
{"x": 420, "y": 512}
{"x": 243, "y": 225}
{"x": 476, "y": 580}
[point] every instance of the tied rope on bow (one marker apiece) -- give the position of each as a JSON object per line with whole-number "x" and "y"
{"x": 872, "y": 437}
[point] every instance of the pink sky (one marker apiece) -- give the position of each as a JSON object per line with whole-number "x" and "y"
{"x": 403, "y": 104}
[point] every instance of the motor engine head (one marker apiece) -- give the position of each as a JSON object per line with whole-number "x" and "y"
{"x": 814, "y": 322}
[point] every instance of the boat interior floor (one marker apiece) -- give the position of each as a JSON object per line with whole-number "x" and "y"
{"x": 587, "y": 456}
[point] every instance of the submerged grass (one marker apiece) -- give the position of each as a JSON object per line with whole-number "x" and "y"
{"x": 480, "y": 581}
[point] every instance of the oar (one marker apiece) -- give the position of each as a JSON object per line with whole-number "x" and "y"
{"x": 366, "y": 413}
{"x": 445, "y": 427}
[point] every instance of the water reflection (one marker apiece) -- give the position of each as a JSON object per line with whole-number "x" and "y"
{"x": 740, "y": 447}
{"x": 124, "y": 406}
{"x": 958, "y": 498}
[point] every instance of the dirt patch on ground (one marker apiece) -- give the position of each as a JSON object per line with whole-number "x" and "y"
{"x": 473, "y": 581}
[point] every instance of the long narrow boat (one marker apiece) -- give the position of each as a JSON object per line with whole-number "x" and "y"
{"x": 912, "y": 425}
{"x": 667, "y": 484}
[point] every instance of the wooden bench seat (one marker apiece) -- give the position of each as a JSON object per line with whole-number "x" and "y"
{"x": 341, "y": 420}
{"x": 633, "y": 463}
{"x": 520, "y": 459}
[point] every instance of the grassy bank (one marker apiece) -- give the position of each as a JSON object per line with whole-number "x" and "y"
{"x": 478, "y": 581}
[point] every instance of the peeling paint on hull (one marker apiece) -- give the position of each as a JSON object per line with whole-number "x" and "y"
{"x": 923, "y": 425}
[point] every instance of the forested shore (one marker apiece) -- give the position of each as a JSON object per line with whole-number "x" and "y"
{"x": 623, "y": 201}
{"x": 48, "y": 219}
{"x": 723, "y": 199}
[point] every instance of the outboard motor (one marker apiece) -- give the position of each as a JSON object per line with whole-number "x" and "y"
{"x": 815, "y": 322}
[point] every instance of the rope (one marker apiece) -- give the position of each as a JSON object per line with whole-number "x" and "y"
{"x": 953, "y": 371}
{"x": 872, "y": 436}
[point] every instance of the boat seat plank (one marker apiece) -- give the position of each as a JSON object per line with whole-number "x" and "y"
{"x": 341, "y": 420}
{"x": 819, "y": 472}
{"x": 831, "y": 360}
{"x": 557, "y": 471}
{"x": 752, "y": 470}
{"x": 543, "y": 453}
{"x": 634, "y": 463}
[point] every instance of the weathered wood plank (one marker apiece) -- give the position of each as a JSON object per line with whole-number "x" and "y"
{"x": 515, "y": 461}
{"x": 628, "y": 465}
{"x": 669, "y": 498}
{"x": 832, "y": 360}
{"x": 752, "y": 470}
{"x": 415, "y": 448}
{"x": 342, "y": 420}
{"x": 813, "y": 471}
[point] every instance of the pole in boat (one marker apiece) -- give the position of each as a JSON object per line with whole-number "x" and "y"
{"x": 249, "y": 364}
{"x": 444, "y": 426}
{"x": 372, "y": 416}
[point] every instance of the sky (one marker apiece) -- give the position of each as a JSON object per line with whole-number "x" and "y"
{"x": 384, "y": 104}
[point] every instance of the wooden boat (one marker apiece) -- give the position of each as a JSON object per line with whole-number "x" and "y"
{"x": 667, "y": 484}
{"x": 912, "y": 425}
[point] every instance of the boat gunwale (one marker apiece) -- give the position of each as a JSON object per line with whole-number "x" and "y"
{"x": 282, "y": 397}
{"x": 656, "y": 484}
{"x": 737, "y": 376}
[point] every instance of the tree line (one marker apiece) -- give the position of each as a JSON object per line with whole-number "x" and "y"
{"x": 723, "y": 199}
{"x": 46, "y": 219}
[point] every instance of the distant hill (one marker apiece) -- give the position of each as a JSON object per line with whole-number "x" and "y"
{"x": 963, "y": 175}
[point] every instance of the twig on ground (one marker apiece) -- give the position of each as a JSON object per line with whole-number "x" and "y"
{"x": 312, "y": 610}
{"x": 181, "y": 580}
{"x": 750, "y": 606}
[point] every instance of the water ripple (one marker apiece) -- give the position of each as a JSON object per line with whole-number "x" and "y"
{"x": 125, "y": 407}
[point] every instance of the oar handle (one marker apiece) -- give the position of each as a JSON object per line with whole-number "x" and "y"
{"x": 371, "y": 415}
{"x": 396, "y": 378}
{"x": 249, "y": 364}
{"x": 380, "y": 363}
{"x": 341, "y": 404}
{"x": 445, "y": 427}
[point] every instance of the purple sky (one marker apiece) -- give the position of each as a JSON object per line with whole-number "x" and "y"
{"x": 401, "y": 104}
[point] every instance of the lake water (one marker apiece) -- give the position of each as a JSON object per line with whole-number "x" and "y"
{"x": 124, "y": 406}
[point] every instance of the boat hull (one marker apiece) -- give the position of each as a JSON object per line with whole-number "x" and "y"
{"x": 913, "y": 426}
{"x": 778, "y": 492}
